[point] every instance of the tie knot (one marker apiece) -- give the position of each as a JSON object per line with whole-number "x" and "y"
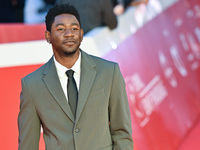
{"x": 70, "y": 73}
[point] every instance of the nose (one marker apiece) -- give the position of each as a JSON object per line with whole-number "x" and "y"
{"x": 68, "y": 32}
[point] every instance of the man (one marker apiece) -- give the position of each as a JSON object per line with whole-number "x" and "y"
{"x": 101, "y": 119}
{"x": 94, "y": 13}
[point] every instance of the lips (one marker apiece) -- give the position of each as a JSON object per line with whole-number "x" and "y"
{"x": 69, "y": 42}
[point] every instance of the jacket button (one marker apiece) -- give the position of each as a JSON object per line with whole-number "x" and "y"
{"x": 77, "y": 130}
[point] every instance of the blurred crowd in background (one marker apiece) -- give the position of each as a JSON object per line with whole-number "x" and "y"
{"x": 93, "y": 13}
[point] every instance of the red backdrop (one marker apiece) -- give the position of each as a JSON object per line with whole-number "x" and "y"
{"x": 161, "y": 66}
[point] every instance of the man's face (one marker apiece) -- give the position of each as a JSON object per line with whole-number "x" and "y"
{"x": 65, "y": 36}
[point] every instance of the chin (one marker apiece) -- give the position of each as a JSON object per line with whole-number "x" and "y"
{"x": 70, "y": 53}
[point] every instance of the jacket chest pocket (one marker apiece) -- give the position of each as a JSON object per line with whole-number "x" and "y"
{"x": 96, "y": 93}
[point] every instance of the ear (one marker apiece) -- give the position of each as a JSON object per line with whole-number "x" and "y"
{"x": 47, "y": 36}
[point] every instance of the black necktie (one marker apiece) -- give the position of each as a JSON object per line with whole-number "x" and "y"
{"x": 72, "y": 91}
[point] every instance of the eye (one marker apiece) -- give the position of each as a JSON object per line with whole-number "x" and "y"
{"x": 61, "y": 29}
{"x": 74, "y": 29}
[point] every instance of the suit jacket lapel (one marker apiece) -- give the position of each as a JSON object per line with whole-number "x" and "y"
{"x": 87, "y": 78}
{"x": 53, "y": 84}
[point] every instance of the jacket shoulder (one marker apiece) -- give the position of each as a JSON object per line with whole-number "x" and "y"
{"x": 34, "y": 74}
{"x": 37, "y": 74}
{"x": 102, "y": 61}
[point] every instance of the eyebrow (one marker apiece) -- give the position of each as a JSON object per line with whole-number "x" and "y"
{"x": 62, "y": 24}
{"x": 59, "y": 24}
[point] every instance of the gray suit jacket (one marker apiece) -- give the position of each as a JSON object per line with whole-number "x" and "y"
{"x": 103, "y": 118}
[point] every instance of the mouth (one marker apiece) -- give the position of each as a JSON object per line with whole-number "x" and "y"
{"x": 69, "y": 42}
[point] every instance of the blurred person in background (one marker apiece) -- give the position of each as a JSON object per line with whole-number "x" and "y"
{"x": 36, "y": 10}
{"x": 120, "y": 6}
{"x": 12, "y": 11}
{"x": 47, "y": 4}
{"x": 94, "y": 13}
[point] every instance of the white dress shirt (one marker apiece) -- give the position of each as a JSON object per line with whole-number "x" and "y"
{"x": 61, "y": 71}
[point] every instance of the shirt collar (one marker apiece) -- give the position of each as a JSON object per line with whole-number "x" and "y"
{"x": 61, "y": 70}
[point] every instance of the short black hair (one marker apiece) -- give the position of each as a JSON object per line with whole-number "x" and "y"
{"x": 59, "y": 9}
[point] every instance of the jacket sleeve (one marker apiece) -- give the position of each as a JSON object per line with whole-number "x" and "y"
{"x": 120, "y": 120}
{"x": 29, "y": 124}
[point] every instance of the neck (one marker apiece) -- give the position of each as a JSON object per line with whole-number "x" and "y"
{"x": 67, "y": 60}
